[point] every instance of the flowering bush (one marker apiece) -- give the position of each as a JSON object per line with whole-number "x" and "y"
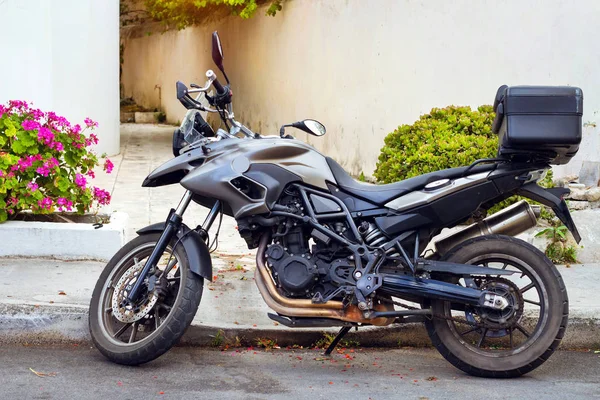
{"x": 45, "y": 162}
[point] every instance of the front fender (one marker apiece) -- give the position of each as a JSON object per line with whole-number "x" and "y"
{"x": 195, "y": 248}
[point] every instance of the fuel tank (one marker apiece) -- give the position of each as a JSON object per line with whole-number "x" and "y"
{"x": 248, "y": 175}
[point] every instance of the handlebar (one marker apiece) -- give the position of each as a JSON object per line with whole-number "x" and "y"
{"x": 222, "y": 101}
{"x": 215, "y": 82}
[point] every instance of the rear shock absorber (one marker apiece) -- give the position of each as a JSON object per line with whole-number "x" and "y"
{"x": 374, "y": 237}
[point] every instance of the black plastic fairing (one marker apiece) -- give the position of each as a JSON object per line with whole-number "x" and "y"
{"x": 354, "y": 204}
{"x": 165, "y": 179}
{"x": 272, "y": 177}
{"x": 552, "y": 198}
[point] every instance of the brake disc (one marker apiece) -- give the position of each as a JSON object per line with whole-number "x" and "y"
{"x": 123, "y": 311}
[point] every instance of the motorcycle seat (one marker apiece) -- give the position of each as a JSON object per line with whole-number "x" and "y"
{"x": 381, "y": 194}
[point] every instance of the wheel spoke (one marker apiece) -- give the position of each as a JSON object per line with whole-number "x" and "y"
{"x": 503, "y": 267}
{"x": 469, "y": 331}
{"x": 134, "y": 329}
{"x": 483, "y": 333}
{"x": 156, "y": 318}
{"x": 523, "y": 330}
{"x": 120, "y": 331}
{"x": 526, "y": 288}
{"x": 169, "y": 267}
{"x": 537, "y": 303}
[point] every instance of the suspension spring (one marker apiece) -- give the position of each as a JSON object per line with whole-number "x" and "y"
{"x": 374, "y": 237}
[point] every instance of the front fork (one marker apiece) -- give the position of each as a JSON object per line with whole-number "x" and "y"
{"x": 172, "y": 225}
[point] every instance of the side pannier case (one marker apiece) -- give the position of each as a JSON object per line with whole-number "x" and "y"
{"x": 541, "y": 123}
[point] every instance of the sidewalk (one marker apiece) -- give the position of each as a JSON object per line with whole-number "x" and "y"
{"x": 33, "y": 309}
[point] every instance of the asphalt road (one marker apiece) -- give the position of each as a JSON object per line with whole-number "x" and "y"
{"x": 80, "y": 372}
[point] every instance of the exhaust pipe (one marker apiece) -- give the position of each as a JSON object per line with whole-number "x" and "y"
{"x": 510, "y": 221}
{"x": 284, "y": 305}
{"x": 303, "y": 307}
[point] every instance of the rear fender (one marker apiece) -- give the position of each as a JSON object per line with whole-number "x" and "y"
{"x": 552, "y": 198}
{"x": 195, "y": 248}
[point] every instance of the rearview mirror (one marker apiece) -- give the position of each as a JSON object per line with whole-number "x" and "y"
{"x": 308, "y": 125}
{"x": 217, "y": 51}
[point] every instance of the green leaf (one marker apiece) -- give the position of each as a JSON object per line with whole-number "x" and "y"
{"x": 3, "y": 215}
{"x": 18, "y": 147}
{"x": 547, "y": 231}
{"x": 70, "y": 159}
{"x": 63, "y": 184}
{"x": 11, "y": 130}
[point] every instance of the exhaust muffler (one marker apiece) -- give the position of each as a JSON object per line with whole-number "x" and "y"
{"x": 510, "y": 221}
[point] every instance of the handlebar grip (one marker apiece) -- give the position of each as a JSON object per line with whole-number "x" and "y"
{"x": 220, "y": 89}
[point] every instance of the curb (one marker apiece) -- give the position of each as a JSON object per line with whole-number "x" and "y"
{"x": 45, "y": 325}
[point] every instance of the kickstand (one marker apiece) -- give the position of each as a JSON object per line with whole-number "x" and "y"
{"x": 336, "y": 340}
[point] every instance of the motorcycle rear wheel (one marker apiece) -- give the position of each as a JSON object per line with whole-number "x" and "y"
{"x": 508, "y": 345}
{"x": 140, "y": 335}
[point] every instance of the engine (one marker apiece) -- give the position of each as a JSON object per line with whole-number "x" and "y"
{"x": 301, "y": 272}
{"x": 304, "y": 263}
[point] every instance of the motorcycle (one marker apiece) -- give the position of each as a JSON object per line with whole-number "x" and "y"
{"x": 335, "y": 252}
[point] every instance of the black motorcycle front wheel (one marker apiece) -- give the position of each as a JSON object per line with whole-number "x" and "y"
{"x": 503, "y": 343}
{"x": 135, "y": 334}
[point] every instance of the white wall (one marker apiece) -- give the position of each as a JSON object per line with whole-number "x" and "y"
{"x": 365, "y": 67}
{"x": 63, "y": 55}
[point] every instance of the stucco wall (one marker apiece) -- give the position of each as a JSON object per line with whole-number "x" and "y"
{"x": 362, "y": 68}
{"x": 63, "y": 55}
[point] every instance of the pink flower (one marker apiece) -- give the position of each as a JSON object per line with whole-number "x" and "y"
{"x": 89, "y": 123}
{"x": 25, "y": 163}
{"x": 45, "y": 203}
{"x": 29, "y": 125}
{"x": 76, "y": 129}
{"x": 13, "y": 201}
{"x": 108, "y": 166}
{"x": 102, "y": 196}
{"x": 18, "y": 104}
{"x": 2, "y": 110}
{"x": 52, "y": 162}
{"x": 11, "y": 212}
{"x": 80, "y": 180}
{"x": 37, "y": 113}
{"x": 90, "y": 173}
{"x": 93, "y": 139}
{"x": 58, "y": 146}
{"x": 58, "y": 120}
{"x": 43, "y": 170}
{"x": 45, "y": 135}
{"x": 1, "y": 173}
{"x": 64, "y": 204}
{"x": 32, "y": 186}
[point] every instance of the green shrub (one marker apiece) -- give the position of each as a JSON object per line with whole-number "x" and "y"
{"x": 445, "y": 138}
{"x": 184, "y": 13}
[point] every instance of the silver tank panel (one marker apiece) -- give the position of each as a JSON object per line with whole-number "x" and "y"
{"x": 210, "y": 174}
